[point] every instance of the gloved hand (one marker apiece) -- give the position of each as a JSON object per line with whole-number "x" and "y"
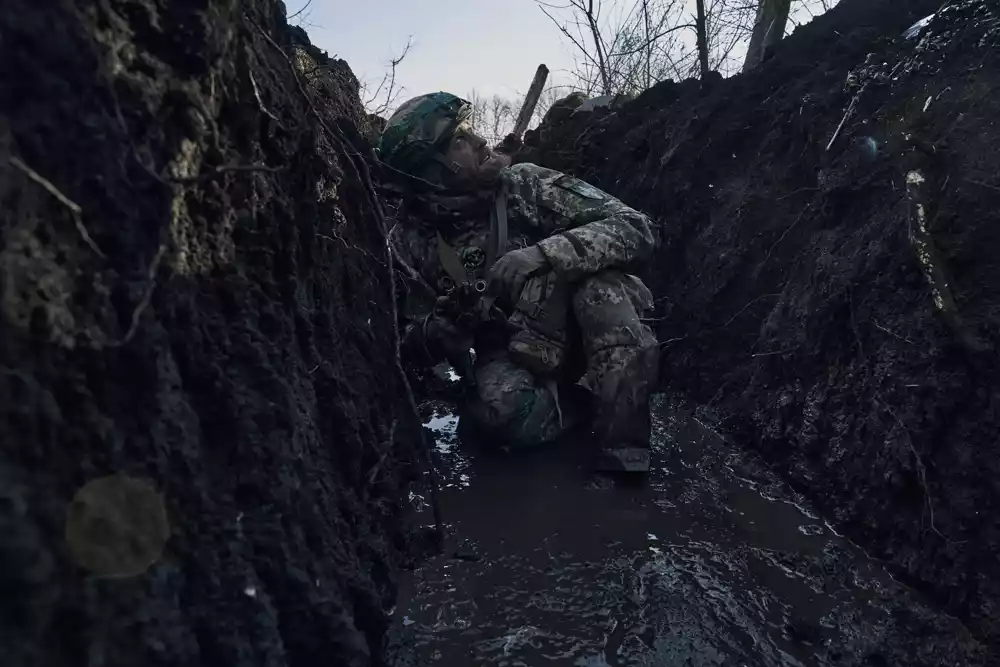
{"x": 447, "y": 338}
{"x": 512, "y": 271}
{"x": 510, "y": 144}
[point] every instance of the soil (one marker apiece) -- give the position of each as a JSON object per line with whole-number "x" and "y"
{"x": 713, "y": 561}
{"x": 197, "y": 336}
{"x": 836, "y": 309}
{"x": 194, "y": 296}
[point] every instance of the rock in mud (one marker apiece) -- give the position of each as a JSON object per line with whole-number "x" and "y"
{"x": 195, "y": 296}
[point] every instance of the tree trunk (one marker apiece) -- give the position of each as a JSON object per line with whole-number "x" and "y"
{"x": 702, "y": 27}
{"x": 596, "y": 33}
{"x": 772, "y": 16}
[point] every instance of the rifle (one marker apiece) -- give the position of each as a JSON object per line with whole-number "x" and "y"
{"x": 531, "y": 100}
{"x": 512, "y": 142}
{"x": 467, "y": 305}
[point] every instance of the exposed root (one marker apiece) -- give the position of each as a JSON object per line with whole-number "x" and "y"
{"x": 66, "y": 201}
{"x": 373, "y": 475}
{"x": 775, "y": 352}
{"x": 847, "y": 114}
{"x": 154, "y": 266}
{"x": 260, "y": 101}
{"x": 984, "y": 185}
{"x": 892, "y": 333}
{"x": 781, "y": 238}
{"x": 921, "y": 470}
{"x": 361, "y": 171}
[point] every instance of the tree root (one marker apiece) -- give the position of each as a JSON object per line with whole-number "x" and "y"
{"x": 66, "y": 201}
{"x": 360, "y": 168}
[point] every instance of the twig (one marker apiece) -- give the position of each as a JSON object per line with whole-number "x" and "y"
{"x": 771, "y": 354}
{"x": 799, "y": 191}
{"x": 304, "y": 7}
{"x": 847, "y": 114}
{"x": 741, "y": 310}
{"x": 295, "y": 74}
{"x": 385, "y": 453}
{"x": 260, "y": 101}
{"x": 893, "y": 334}
{"x": 672, "y": 340}
{"x": 985, "y": 185}
{"x": 147, "y": 297}
{"x": 361, "y": 168}
{"x": 66, "y": 201}
{"x": 921, "y": 469}
{"x": 774, "y": 245}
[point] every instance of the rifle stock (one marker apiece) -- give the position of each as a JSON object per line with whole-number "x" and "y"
{"x": 531, "y": 101}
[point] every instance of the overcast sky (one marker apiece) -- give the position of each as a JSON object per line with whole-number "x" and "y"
{"x": 492, "y": 46}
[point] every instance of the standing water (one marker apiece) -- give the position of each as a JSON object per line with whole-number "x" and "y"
{"x": 713, "y": 561}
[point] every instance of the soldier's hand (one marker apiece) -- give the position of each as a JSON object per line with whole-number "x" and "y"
{"x": 512, "y": 271}
{"x": 510, "y": 144}
{"x": 447, "y": 337}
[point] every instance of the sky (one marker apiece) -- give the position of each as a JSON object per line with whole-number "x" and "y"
{"x": 491, "y": 46}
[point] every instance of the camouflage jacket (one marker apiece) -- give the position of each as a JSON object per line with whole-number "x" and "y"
{"x": 580, "y": 229}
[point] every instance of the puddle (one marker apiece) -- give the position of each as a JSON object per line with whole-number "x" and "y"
{"x": 712, "y": 562}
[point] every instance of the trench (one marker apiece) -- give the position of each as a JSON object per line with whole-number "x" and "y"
{"x": 712, "y": 561}
{"x": 195, "y": 295}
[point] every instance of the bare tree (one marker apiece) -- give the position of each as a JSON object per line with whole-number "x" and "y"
{"x": 769, "y": 28}
{"x": 492, "y": 117}
{"x": 625, "y": 46}
{"x": 383, "y": 99}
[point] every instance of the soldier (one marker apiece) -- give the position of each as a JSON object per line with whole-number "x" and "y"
{"x": 529, "y": 267}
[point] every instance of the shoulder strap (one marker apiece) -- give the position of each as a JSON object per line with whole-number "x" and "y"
{"x": 498, "y": 226}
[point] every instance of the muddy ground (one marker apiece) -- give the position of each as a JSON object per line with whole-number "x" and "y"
{"x": 194, "y": 293}
{"x": 714, "y": 561}
{"x": 834, "y": 316}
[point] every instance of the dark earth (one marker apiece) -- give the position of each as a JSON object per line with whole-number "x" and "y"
{"x": 196, "y": 294}
{"x": 800, "y": 298}
{"x": 714, "y": 561}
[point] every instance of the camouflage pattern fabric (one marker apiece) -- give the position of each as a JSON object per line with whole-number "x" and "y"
{"x": 419, "y": 126}
{"x": 512, "y": 407}
{"x": 516, "y": 408}
{"x": 591, "y": 240}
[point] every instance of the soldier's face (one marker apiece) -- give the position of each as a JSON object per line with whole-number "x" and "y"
{"x": 478, "y": 163}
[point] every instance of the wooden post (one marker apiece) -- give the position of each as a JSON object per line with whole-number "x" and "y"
{"x": 531, "y": 101}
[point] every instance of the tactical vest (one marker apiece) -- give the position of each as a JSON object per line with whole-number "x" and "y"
{"x": 539, "y": 319}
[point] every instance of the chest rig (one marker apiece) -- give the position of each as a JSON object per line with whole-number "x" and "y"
{"x": 538, "y": 321}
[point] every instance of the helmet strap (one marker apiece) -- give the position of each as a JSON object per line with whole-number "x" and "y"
{"x": 450, "y": 165}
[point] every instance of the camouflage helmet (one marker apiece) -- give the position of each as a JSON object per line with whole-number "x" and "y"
{"x": 420, "y": 128}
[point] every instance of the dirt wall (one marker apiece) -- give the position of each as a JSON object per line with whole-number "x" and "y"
{"x": 194, "y": 294}
{"x": 836, "y": 308}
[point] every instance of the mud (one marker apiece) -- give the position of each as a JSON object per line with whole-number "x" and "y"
{"x": 194, "y": 294}
{"x": 835, "y": 309}
{"x": 714, "y": 562}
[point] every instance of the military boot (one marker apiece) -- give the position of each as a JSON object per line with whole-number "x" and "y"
{"x": 622, "y": 424}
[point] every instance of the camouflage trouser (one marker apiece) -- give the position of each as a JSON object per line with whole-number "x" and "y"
{"x": 515, "y": 408}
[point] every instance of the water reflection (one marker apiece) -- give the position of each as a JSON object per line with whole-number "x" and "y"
{"x": 713, "y": 562}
